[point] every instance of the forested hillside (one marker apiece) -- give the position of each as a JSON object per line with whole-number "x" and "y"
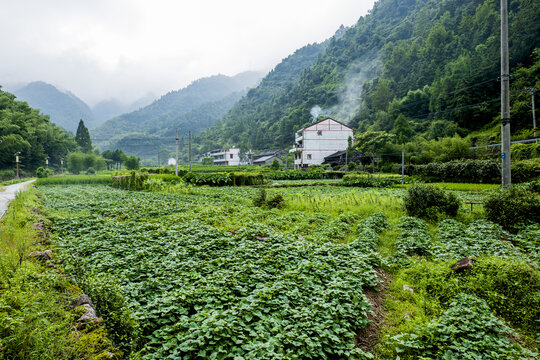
{"x": 171, "y": 109}
{"x": 431, "y": 61}
{"x": 64, "y": 108}
{"x": 147, "y": 145}
{"x": 25, "y": 130}
{"x": 245, "y": 124}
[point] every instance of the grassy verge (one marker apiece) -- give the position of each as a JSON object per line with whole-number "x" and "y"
{"x": 35, "y": 319}
{"x": 13, "y": 181}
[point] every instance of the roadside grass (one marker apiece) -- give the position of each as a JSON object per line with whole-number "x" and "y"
{"x": 13, "y": 181}
{"x": 35, "y": 322}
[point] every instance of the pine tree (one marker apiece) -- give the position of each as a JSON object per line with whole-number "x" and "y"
{"x": 83, "y": 138}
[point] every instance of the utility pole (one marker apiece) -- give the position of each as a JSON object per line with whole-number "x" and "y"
{"x": 190, "y": 151}
{"x": 47, "y": 162}
{"x": 532, "y": 90}
{"x": 505, "y": 98}
{"x": 17, "y": 162}
{"x": 158, "y": 162}
{"x": 62, "y": 166}
{"x": 403, "y": 165}
{"x": 176, "y": 153}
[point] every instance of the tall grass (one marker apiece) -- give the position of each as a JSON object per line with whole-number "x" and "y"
{"x": 76, "y": 180}
{"x": 363, "y": 203}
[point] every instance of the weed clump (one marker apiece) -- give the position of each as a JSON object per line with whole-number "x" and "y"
{"x": 430, "y": 202}
{"x": 275, "y": 202}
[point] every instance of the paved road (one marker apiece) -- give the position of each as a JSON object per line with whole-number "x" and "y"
{"x": 9, "y": 193}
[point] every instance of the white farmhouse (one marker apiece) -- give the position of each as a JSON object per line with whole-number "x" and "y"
{"x": 230, "y": 156}
{"x": 319, "y": 140}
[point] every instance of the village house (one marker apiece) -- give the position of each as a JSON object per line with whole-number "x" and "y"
{"x": 267, "y": 157}
{"x": 319, "y": 140}
{"x": 229, "y": 156}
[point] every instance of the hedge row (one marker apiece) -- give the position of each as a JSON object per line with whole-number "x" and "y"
{"x": 305, "y": 175}
{"x": 363, "y": 181}
{"x": 224, "y": 179}
{"x": 474, "y": 171}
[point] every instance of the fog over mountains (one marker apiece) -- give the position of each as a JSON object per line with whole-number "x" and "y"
{"x": 65, "y": 109}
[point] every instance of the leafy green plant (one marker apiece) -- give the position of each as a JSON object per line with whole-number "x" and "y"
{"x": 201, "y": 291}
{"x": 430, "y": 202}
{"x": 466, "y": 330}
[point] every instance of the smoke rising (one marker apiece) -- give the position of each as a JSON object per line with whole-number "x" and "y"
{"x": 350, "y": 93}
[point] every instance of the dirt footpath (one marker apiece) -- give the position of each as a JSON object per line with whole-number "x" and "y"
{"x": 8, "y": 193}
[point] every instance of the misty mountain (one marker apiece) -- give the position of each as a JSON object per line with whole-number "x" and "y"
{"x": 107, "y": 109}
{"x": 146, "y": 145}
{"x": 428, "y": 60}
{"x": 192, "y": 108}
{"x": 64, "y": 108}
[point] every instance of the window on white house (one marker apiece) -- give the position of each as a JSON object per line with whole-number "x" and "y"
{"x": 309, "y": 156}
{"x": 232, "y": 156}
{"x": 319, "y": 132}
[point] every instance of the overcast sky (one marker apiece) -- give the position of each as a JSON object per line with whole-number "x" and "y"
{"x": 124, "y": 49}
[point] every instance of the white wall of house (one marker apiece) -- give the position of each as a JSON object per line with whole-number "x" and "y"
{"x": 315, "y": 142}
{"x": 230, "y": 156}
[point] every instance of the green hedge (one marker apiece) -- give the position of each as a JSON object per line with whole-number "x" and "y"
{"x": 474, "y": 171}
{"x": 364, "y": 181}
{"x": 305, "y": 175}
{"x": 224, "y": 179}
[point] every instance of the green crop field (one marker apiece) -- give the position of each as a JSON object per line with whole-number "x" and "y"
{"x": 207, "y": 274}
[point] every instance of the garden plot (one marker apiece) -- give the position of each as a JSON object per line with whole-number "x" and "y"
{"x": 199, "y": 291}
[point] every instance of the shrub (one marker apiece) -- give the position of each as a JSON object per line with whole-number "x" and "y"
{"x": 261, "y": 200}
{"x": 525, "y": 170}
{"x": 90, "y": 171}
{"x": 6, "y": 174}
{"x": 41, "y": 172}
{"x": 513, "y": 208}
{"x": 275, "y": 165}
{"x": 429, "y": 202}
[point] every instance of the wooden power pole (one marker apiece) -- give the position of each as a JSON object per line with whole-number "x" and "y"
{"x": 176, "y": 173}
{"x": 505, "y": 98}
